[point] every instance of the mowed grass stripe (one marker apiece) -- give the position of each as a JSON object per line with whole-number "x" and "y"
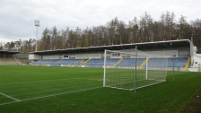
{"x": 57, "y": 80}
{"x": 11, "y": 74}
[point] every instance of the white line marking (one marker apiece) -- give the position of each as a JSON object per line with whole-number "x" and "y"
{"x": 68, "y": 92}
{"x": 15, "y": 99}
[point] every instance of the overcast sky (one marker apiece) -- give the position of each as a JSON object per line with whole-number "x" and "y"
{"x": 17, "y": 16}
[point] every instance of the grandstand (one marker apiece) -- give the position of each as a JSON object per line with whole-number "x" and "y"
{"x": 8, "y": 58}
{"x": 127, "y": 62}
{"x": 59, "y": 62}
{"x": 178, "y": 53}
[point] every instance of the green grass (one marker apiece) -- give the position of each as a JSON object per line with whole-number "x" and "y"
{"x": 79, "y": 90}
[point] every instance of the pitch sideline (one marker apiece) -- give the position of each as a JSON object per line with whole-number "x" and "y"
{"x": 68, "y": 92}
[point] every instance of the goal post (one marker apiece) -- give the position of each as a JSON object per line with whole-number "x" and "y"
{"x": 104, "y": 79}
{"x": 130, "y": 70}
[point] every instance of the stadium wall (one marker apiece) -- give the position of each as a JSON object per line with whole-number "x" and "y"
{"x": 86, "y": 55}
{"x": 171, "y": 52}
{"x": 197, "y": 60}
{"x": 195, "y": 63}
{"x": 179, "y": 52}
{"x": 34, "y": 57}
{"x": 66, "y": 56}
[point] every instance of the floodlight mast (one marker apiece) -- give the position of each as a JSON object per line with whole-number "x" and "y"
{"x": 37, "y": 24}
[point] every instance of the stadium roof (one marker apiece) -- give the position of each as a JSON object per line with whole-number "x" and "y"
{"x": 9, "y": 52}
{"x": 140, "y": 46}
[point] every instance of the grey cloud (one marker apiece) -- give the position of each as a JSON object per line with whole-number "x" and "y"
{"x": 17, "y": 16}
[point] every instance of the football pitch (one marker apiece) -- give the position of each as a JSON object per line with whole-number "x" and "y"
{"x": 35, "y": 89}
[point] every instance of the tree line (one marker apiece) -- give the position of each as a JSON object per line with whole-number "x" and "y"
{"x": 115, "y": 32}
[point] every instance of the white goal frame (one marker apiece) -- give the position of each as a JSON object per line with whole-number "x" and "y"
{"x": 148, "y": 72}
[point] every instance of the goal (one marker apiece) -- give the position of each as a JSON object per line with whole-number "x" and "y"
{"x": 131, "y": 70}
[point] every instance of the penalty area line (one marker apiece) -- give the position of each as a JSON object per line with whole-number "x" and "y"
{"x": 53, "y": 95}
{"x": 10, "y": 97}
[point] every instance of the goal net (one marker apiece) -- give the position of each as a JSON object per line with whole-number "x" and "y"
{"x": 132, "y": 70}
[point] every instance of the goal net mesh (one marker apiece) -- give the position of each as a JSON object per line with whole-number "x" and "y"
{"x": 133, "y": 70}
